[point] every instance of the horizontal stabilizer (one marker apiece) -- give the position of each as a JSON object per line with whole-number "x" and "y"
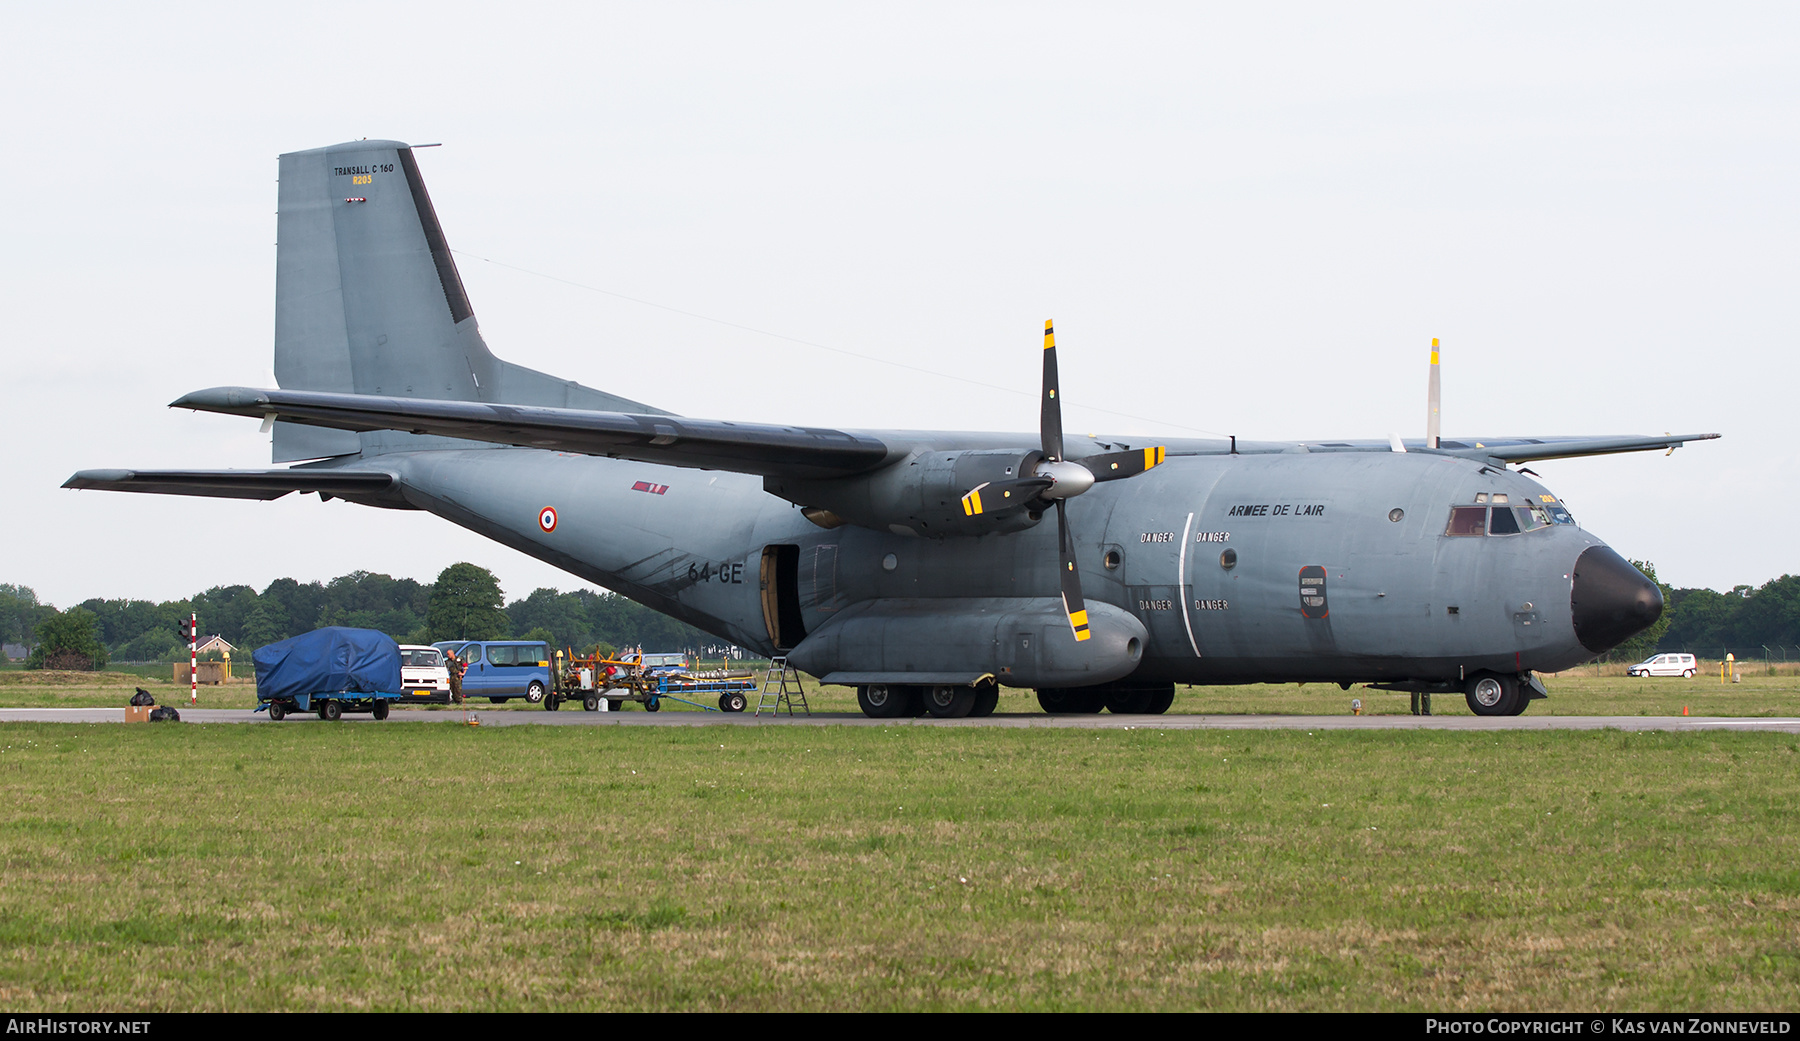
{"x": 234, "y": 484}
{"x": 752, "y": 448}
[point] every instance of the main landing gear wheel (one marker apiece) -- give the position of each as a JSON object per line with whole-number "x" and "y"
{"x": 947, "y": 702}
{"x": 1144, "y": 700}
{"x": 887, "y": 700}
{"x": 1070, "y": 701}
{"x": 331, "y": 711}
{"x": 277, "y": 711}
{"x": 1491, "y": 694}
{"x": 380, "y": 710}
{"x": 987, "y": 699}
{"x": 535, "y": 692}
{"x": 732, "y": 701}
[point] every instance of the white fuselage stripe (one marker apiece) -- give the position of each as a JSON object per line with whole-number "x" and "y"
{"x": 1181, "y": 590}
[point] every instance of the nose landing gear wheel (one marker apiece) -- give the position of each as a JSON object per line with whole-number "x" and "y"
{"x": 1491, "y": 694}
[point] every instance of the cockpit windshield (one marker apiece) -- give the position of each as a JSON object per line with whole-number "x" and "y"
{"x": 1504, "y": 520}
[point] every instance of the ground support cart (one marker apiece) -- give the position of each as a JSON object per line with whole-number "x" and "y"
{"x": 587, "y": 681}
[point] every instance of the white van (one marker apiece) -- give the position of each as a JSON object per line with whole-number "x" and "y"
{"x": 424, "y": 674}
{"x": 1664, "y": 665}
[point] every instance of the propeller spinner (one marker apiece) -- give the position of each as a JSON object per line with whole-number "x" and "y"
{"x": 1054, "y": 480}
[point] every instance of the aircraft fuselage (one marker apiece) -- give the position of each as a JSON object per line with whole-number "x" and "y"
{"x": 1240, "y": 568}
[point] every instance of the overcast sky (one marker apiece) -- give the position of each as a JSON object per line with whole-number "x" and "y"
{"x": 1245, "y": 219}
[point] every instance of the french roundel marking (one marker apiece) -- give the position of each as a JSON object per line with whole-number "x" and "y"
{"x": 547, "y": 518}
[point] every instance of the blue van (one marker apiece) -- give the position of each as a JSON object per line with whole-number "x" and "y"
{"x": 500, "y": 670}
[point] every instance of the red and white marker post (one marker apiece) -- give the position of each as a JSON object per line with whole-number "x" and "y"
{"x": 193, "y": 659}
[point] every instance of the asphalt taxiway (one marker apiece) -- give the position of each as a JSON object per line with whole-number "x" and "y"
{"x": 1101, "y": 721}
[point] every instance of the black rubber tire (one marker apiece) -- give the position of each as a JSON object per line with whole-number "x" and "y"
{"x": 1076, "y": 701}
{"x": 1131, "y": 701}
{"x": 886, "y": 700}
{"x": 497, "y": 701}
{"x": 380, "y": 711}
{"x": 733, "y": 701}
{"x": 591, "y": 703}
{"x": 987, "y": 699}
{"x": 1164, "y": 698}
{"x": 277, "y": 711}
{"x": 653, "y": 705}
{"x": 535, "y": 692}
{"x": 950, "y": 702}
{"x": 330, "y": 710}
{"x": 1493, "y": 694}
{"x": 552, "y": 703}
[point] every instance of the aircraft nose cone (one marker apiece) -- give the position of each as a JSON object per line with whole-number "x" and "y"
{"x": 1612, "y": 600}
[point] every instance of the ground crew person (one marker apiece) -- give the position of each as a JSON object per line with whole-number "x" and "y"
{"x": 457, "y": 668}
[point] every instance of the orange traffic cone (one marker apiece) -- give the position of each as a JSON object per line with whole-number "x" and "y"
{"x": 1684, "y": 710}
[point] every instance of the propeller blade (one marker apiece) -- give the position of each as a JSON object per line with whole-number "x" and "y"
{"x": 1050, "y": 423}
{"x": 1073, "y": 605}
{"x": 1114, "y": 465}
{"x": 1433, "y": 400}
{"x": 991, "y": 497}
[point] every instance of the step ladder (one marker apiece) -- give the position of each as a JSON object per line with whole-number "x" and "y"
{"x": 776, "y": 691}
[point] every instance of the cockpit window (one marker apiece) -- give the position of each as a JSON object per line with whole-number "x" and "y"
{"x": 1558, "y": 515}
{"x": 1467, "y": 520}
{"x": 1531, "y": 518}
{"x": 1503, "y": 522}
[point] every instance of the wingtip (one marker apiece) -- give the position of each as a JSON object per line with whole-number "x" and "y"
{"x": 220, "y": 399}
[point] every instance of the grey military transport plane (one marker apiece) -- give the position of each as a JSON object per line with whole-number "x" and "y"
{"x": 926, "y": 569}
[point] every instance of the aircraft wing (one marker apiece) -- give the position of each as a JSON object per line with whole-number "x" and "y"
{"x": 1531, "y": 449}
{"x": 1498, "y": 449}
{"x": 754, "y": 448}
{"x": 235, "y": 484}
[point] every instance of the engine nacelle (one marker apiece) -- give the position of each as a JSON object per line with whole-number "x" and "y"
{"x": 923, "y": 494}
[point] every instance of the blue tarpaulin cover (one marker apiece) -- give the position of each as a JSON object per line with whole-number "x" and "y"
{"x": 329, "y": 661}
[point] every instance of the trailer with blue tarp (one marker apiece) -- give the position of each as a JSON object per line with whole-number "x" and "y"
{"x": 330, "y": 671}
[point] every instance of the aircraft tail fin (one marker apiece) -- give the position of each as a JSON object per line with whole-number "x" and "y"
{"x": 368, "y": 301}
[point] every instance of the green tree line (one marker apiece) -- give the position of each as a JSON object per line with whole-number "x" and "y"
{"x": 464, "y": 603}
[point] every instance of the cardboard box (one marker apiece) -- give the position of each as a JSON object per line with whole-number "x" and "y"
{"x": 137, "y": 713}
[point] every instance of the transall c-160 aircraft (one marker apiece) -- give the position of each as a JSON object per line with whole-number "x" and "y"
{"x": 927, "y": 569}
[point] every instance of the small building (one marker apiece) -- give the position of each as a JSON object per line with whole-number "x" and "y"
{"x": 215, "y": 643}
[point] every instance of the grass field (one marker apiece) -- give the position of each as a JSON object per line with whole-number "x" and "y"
{"x": 443, "y": 867}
